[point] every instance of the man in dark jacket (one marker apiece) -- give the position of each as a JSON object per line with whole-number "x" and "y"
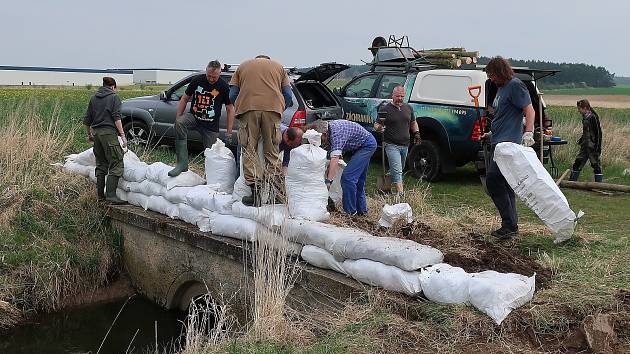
{"x": 103, "y": 126}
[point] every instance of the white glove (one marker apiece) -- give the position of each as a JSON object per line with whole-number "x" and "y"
{"x": 528, "y": 139}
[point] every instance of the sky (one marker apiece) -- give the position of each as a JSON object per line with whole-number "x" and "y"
{"x": 187, "y": 34}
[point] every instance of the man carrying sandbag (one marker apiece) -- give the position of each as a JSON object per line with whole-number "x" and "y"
{"x": 511, "y": 102}
{"x": 261, "y": 91}
{"x": 208, "y": 93}
{"x": 346, "y": 136}
{"x": 103, "y": 126}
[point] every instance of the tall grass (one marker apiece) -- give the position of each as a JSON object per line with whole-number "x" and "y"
{"x": 54, "y": 240}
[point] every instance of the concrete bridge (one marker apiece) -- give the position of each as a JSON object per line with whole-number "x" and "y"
{"x": 172, "y": 262}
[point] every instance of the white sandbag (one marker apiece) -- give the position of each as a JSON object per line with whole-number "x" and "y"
{"x": 306, "y": 191}
{"x": 138, "y": 199}
{"x": 223, "y": 204}
{"x": 161, "y": 205}
{"x": 121, "y": 194}
{"x": 392, "y": 213}
{"x": 320, "y": 258}
{"x": 158, "y": 172}
{"x": 319, "y": 234}
{"x": 128, "y": 186}
{"x": 178, "y": 194}
{"x": 93, "y": 175}
{"x": 241, "y": 189}
{"x": 532, "y": 183}
{"x": 86, "y": 158}
{"x": 313, "y": 137}
{"x": 445, "y": 284}
{"x": 272, "y": 216}
{"x": 205, "y": 224}
{"x": 335, "y": 192}
{"x": 147, "y": 188}
{"x": 220, "y": 166}
{"x": 497, "y": 294}
{"x": 202, "y": 197}
{"x": 201, "y": 218}
{"x": 384, "y": 276}
{"x": 404, "y": 254}
{"x": 76, "y": 168}
{"x": 135, "y": 171}
{"x": 233, "y": 227}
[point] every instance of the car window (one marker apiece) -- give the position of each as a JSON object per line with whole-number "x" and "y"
{"x": 177, "y": 94}
{"x": 388, "y": 82}
{"x": 362, "y": 87}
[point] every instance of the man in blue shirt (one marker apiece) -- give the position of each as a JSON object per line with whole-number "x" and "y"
{"x": 510, "y": 104}
{"x": 345, "y": 136}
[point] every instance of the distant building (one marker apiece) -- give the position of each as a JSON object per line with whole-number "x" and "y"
{"x": 44, "y": 76}
{"x": 159, "y": 76}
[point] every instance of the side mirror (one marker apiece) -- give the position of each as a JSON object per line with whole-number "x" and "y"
{"x": 337, "y": 91}
{"x": 163, "y": 96}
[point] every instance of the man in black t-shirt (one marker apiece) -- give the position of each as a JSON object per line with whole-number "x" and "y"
{"x": 397, "y": 125}
{"x": 208, "y": 92}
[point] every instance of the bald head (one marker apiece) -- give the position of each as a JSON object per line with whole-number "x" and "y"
{"x": 398, "y": 94}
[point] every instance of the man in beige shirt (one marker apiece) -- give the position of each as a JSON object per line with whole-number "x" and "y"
{"x": 261, "y": 91}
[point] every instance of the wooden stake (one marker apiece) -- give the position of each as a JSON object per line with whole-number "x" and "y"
{"x": 562, "y": 177}
{"x": 595, "y": 185}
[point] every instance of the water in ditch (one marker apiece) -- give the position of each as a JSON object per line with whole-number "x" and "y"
{"x": 82, "y": 330}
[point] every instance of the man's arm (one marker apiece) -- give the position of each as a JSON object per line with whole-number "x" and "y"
{"x": 530, "y": 114}
{"x": 181, "y": 107}
{"x": 288, "y": 96}
{"x": 234, "y": 90}
{"x": 332, "y": 169}
{"x": 88, "y": 130}
{"x": 230, "y": 118}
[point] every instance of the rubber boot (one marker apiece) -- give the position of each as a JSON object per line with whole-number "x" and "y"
{"x": 599, "y": 178}
{"x": 110, "y": 190}
{"x": 255, "y": 199}
{"x": 181, "y": 151}
{"x": 574, "y": 176}
{"x": 100, "y": 187}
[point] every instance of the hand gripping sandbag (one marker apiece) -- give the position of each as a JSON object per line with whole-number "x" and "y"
{"x": 220, "y": 166}
{"x": 532, "y": 183}
{"x": 393, "y": 213}
{"x": 497, "y": 294}
{"x": 385, "y": 276}
{"x": 445, "y": 284}
{"x": 318, "y": 257}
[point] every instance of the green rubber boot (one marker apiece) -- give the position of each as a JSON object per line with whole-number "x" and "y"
{"x": 100, "y": 187}
{"x": 110, "y": 190}
{"x": 181, "y": 151}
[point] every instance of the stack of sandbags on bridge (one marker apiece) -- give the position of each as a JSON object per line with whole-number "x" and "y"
{"x": 387, "y": 262}
{"x": 495, "y": 294}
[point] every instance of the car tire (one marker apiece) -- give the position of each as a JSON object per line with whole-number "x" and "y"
{"x": 424, "y": 161}
{"x": 137, "y": 133}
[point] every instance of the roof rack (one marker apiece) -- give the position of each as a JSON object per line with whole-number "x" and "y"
{"x": 396, "y": 55}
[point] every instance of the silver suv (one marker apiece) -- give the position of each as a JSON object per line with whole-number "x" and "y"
{"x": 151, "y": 119}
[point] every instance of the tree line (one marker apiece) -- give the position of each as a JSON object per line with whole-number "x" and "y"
{"x": 570, "y": 75}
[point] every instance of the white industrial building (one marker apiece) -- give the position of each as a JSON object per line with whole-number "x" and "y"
{"x": 159, "y": 76}
{"x": 44, "y": 76}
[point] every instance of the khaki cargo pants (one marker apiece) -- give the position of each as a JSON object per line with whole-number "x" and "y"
{"x": 266, "y": 126}
{"x": 108, "y": 152}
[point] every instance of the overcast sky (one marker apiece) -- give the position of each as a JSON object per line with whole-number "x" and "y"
{"x": 186, "y": 34}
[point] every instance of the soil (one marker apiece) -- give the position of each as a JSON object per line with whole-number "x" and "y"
{"x": 607, "y": 101}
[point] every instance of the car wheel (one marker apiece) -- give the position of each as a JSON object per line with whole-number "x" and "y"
{"x": 137, "y": 133}
{"x": 424, "y": 161}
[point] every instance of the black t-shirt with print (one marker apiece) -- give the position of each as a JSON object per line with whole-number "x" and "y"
{"x": 207, "y": 99}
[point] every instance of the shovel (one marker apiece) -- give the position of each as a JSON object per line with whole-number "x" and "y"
{"x": 384, "y": 181}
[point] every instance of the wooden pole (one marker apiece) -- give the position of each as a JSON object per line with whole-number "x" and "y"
{"x": 595, "y": 185}
{"x": 562, "y": 177}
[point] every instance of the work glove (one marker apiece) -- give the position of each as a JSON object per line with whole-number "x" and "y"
{"x": 485, "y": 137}
{"x": 416, "y": 138}
{"x": 528, "y": 139}
{"x": 228, "y": 139}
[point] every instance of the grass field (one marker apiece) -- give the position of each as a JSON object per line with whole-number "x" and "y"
{"x": 590, "y": 91}
{"x": 48, "y": 226}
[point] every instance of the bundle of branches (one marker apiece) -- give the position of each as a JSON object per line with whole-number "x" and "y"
{"x": 448, "y": 57}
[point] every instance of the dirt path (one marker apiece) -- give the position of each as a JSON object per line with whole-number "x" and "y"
{"x": 606, "y": 101}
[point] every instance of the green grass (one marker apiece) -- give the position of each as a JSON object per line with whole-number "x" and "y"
{"x": 615, "y": 90}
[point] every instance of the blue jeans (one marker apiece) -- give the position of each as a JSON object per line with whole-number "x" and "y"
{"x": 354, "y": 176}
{"x": 501, "y": 194}
{"x": 396, "y": 156}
